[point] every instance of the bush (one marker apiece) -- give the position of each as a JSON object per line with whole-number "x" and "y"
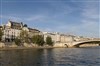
{"x": 24, "y": 36}
{"x": 38, "y": 39}
{"x": 49, "y": 41}
{"x": 17, "y": 41}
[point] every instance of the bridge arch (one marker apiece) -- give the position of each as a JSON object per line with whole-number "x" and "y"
{"x": 87, "y": 42}
{"x": 66, "y": 45}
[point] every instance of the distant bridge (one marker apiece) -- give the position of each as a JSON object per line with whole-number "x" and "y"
{"x": 78, "y": 43}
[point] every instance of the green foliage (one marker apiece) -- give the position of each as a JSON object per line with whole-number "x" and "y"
{"x": 24, "y": 36}
{"x": 49, "y": 41}
{"x": 17, "y": 41}
{"x": 1, "y": 33}
{"x": 38, "y": 39}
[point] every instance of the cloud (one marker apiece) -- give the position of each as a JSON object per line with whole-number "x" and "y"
{"x": 36, "y": 18}
{"x": 90, "y": 18}
{"x": 13, "y": 18}
{"x": 91, "y": 10}
{"x": 91, "y": 26}
{"x": 60, "y": 9}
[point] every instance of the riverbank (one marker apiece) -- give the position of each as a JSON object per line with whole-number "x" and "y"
{"x": 25, "y": 48}
{"x": 32, "y": 48}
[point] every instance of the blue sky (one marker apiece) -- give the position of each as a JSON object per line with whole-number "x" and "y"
{"x": 77, "y": 17}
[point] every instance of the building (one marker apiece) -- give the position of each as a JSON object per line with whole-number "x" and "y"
{"x": 66, "y": 38}
{"x": 32, "y": 31}
{"x": 59, "y": 38}
{"x": 81, "y": 38}
{"x": 12, "y": 30}
{"x": 52, "y": 35}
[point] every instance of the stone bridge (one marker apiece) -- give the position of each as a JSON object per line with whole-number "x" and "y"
{"x": 78, "y": 43}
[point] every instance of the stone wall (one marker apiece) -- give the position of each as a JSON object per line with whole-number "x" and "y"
{"x": 59, "y": 45}
{"x": 2, "y": 45}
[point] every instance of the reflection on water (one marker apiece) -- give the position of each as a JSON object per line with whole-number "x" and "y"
{"x": 51, "y": 57}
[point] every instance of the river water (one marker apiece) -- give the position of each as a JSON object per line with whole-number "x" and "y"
{"x": 51, "y": 57}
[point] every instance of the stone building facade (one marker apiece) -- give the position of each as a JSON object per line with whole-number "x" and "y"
{"x": 59, "y": 38}
{"x": 12, "y": 30}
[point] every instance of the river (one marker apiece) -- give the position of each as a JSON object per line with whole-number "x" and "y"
{"x": 51, "y": 57}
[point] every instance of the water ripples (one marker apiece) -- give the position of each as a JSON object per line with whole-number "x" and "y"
{"x": 51, "y": 57}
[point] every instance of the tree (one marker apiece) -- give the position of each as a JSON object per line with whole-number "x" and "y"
{"x": 38, "y": 39}
{"x": 24, "y": 36}
{"x": 49, "y": 41}
{"x": 17, "y": 41}
{"x": 1, "y": 33}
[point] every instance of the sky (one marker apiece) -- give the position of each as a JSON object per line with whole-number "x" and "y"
{"x": 76, "y": 17}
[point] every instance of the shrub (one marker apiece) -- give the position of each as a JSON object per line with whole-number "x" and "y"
{"x": 49, "y": 41}
{"x": 17, "y": 41}
{"x": 38, "y": 39}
